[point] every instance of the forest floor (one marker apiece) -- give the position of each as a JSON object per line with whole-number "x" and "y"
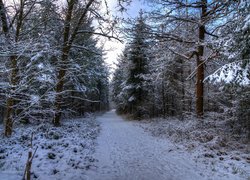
{"x": 64, "y": 153}
{"x": 112, "y": 148}
{"x": 126, "y": 151}
{"x": 210, "y": 141}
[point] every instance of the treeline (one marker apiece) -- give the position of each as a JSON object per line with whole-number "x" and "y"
{"x": 185, "y": 57}
{"x": 50, "y": 65}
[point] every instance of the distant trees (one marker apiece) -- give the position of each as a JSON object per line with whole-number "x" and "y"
{"x": 118, "y": 83}
{"x": 134, "y": 90}
{"x": 136, "y": 87}
{"x": 149, "y": 79}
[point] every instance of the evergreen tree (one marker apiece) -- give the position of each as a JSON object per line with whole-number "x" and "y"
{"x": 134, "y": 90}
{"x": 31, "y": 45}
{"x": 118, "y": 83}
{"x": 234, "y": 76}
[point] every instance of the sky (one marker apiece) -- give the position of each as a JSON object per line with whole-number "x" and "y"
{"x": 113, "y": 47}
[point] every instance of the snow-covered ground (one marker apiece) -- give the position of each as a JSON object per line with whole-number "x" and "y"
{"x": 208, "y": 141}
{"x": 162, "y": 149}
{"x": 126, "y": 152}
{"x": 64, "y": 152}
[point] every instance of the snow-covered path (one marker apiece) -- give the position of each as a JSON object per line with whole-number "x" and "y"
{"x": 126, "y": 152}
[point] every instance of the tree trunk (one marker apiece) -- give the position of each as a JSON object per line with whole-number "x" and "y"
{"x": 10, "y": 102}
{"x": 183, "y": 100}
{"x": 199, "y": 87}
{"x": 3, "y": 17}
{"x": 200, "y": 63}
{"x": 13, "y": 77}
{"x": 163, "y": 96}
{"x": 8, "y": 117}
{"x": 59, "y": 87}
{"x": 62, "y": 65}
{"x": 67, "y": 43}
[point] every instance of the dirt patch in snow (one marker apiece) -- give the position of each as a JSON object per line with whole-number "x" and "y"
{"x": 63, "y": 152}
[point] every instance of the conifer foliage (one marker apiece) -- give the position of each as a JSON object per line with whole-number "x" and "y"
{"x": 134, "y": 91}
{"x": 190, "y": 57}
{"x": 50, "y": 66}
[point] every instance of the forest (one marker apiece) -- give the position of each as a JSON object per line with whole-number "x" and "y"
{"x": 187, "y": 57}
{"x": 184, "y": 73}
{"x": 50, "y": 63}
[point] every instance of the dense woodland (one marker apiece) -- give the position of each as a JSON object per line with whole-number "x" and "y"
{"x": 51, "y": 67}
{"x": 187, "y": 57}
{"x": 183, "y": 77}
{"x": 180, "y": 57}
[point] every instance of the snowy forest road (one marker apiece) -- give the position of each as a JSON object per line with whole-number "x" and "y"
{"x": 126, "y": 152}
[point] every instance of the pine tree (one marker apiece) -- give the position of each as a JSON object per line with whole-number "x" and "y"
{"x": 234, "y": 76}
{"x": 29, "y": 81}
{"x": 118, "y": 84}
{"x": 134, "y": 90}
